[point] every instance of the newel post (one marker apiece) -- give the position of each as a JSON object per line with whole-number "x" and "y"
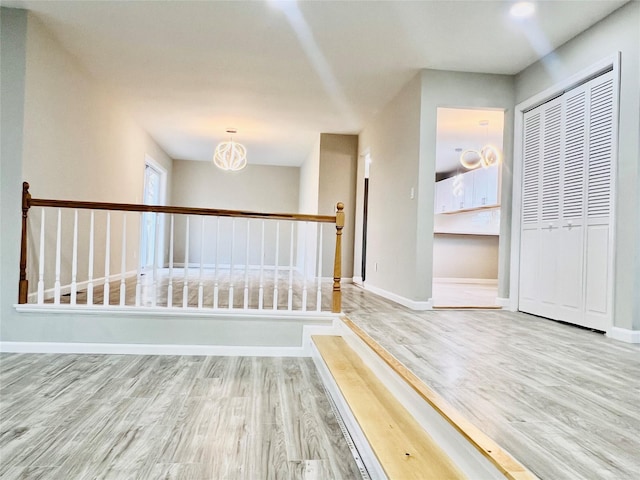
{"x": 337, "y": 262}
{"x": 23, "y": 286}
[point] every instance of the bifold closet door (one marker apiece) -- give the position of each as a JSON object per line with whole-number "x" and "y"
{"x": 601, "y": 144}
{"x": 565, "y": 258}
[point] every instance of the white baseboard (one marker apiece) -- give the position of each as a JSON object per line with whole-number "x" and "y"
{"x": 357, "y": 280}
{"x": 624, "y": 335}
{"x": 503, "y": 301}
{"x": 150, "y": 349}
{"x": 66, "y": 289}
{"x": 236, "y": 267}
{"x": 412, "y": 304}
{"x": 480, "y": 281}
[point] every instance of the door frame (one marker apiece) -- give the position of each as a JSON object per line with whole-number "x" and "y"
{"x": 365, "y": 215}
{"x": 159, "y": 256}
{"x": 611, "y": 62}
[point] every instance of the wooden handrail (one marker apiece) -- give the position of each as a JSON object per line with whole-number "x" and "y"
{"x": 28, "y": 202}
{"x": 136, "y": 207}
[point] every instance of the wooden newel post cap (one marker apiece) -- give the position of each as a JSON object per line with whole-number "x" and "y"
{"x": 25, "y": 186}
{"x": 340, "y": 206}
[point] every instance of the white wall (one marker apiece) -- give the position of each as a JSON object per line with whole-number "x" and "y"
{"x": 77, "y": 144}
{"x": 619, "y": 32}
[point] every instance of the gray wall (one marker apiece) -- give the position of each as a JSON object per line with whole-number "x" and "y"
{"x": 393, "y": 140}
{"x": 620, "y": 32}
{"x": 402, "y": 143}
{"x": 79, "y": 144}
{"x": 69, "y": 138}
{"x": 13, "y": 47}
{"x": 258, "y": 188}
{"x": 337, "y": 183}
{"x": 465, "y": 256}
{"x": 468, "y": 90}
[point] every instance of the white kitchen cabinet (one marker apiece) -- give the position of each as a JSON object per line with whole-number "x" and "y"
{"x": 444, "y": 196}
{"x": 479, "y": 189}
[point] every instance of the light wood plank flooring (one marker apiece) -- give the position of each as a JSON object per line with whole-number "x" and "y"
{"x": 564, "y": 401}
{"x": 466, "y": 295}
{"x": 252, "y": 280}
{"x": 167, "y": 417}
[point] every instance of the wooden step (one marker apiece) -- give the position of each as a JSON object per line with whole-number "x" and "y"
{"x": 511, "y": 468}
{"x": 403, "y": 448}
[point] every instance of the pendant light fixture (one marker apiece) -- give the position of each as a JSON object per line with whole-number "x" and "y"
{"x": 487, "y": 156}
{"x": 230, "y": 155}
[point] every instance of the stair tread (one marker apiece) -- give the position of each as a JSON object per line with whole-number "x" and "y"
{"x": 403, "y": 448}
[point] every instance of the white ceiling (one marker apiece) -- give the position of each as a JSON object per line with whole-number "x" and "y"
{"x": 283, "y": 72}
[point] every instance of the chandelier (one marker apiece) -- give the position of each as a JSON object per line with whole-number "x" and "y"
{"x": 230, "y": 155}
{"x": 487, "y": 156}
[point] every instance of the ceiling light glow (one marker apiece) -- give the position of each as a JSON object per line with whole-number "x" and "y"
{"x": 522, "y": 9}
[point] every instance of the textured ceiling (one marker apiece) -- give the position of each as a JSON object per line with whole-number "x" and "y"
{"x": 283, "y": 72}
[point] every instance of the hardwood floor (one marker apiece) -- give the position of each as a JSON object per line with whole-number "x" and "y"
{"x": 253, "y": 282}
{"x": 563, "y": 400}
{"x": 466, "y": 295}
{"x": 170, "y": 417}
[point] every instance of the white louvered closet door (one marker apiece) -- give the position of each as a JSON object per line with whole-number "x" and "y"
{"x": 599, "y": 249}
{"x": 570, "y": 247}
{"x": 530, "y": 250}
{"x": 565, "y": 263}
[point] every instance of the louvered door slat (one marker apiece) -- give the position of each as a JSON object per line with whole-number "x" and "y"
{"x": 531, "y": 169}
{"x": 574, "y": 157}
{"x": 600, "y": 146}
{"x": 551, "y": 150}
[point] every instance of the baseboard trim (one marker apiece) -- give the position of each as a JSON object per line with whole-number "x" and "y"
{"x": 150, "y": 349}
{"x": 624, "y": 335}
{"x": 129, "y": 310}
{"x": 412, "y": 304}
{"x": 479, "y": 281}
{"x": 503, "y": 301}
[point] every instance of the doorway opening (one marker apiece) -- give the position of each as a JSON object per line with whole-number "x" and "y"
{"x": 469, "y": 147}
{"x": 365, "y": 214}
{"x": 152, "y": 224}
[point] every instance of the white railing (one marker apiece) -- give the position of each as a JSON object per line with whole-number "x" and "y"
{"x": 89, "y": 254}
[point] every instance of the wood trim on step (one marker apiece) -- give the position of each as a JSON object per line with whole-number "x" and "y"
{"x": 509, "y": 466}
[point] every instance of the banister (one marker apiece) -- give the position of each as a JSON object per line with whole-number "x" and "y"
{"x": 28, "y": 202}
{"x": 337, "y": 260}
{"x": 134, "y": 207}
{"x": 23, "y": 285}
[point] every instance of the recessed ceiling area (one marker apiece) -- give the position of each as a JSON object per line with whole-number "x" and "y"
{"x": 282, "y": 72}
